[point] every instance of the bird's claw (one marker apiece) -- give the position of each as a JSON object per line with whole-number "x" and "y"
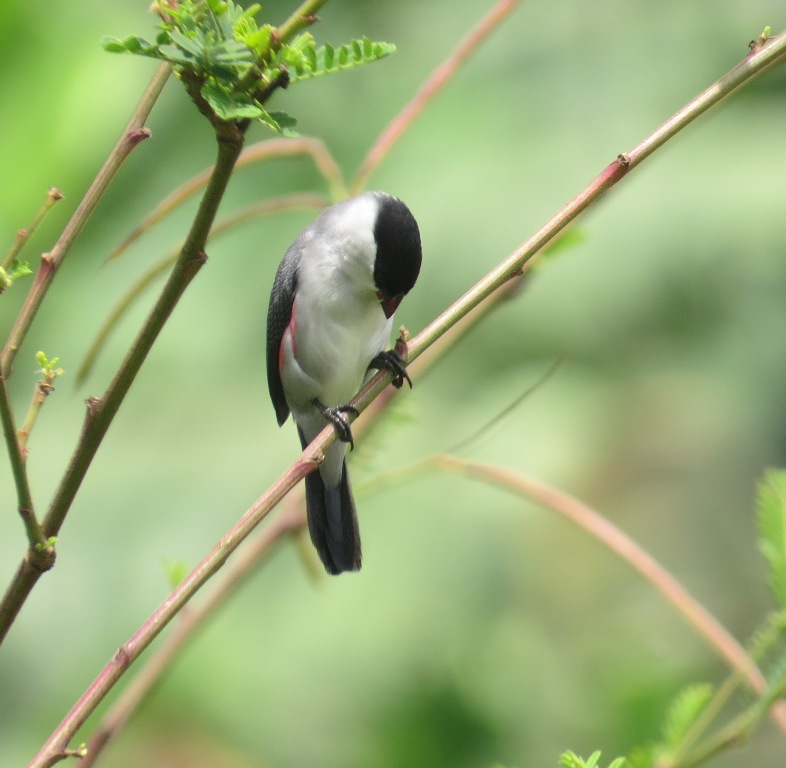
{"x": 391, "y": 361}
{"x": 336, "y": 416}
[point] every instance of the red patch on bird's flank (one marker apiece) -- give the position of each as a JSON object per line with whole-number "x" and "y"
{"x": 290, "y": 330}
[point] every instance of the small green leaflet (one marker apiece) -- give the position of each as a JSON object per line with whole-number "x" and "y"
{"x": 771, "y": 508}
{"x": 572, "y": 760}
{"x": 684, "y": 711}
{"x": 313, "y": 62}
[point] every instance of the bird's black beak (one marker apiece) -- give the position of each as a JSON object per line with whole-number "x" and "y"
{"x": 389, "y": 304}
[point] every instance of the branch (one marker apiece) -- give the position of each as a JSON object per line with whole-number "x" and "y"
{"x": 436, "y": 81}
{"x": 101, "y": 411}
{"x": 292, "y": 519}
{"x": 515, "y": 264}
{"x": 261, "y": 151}
{"x": 132, "y": 134}
{"x": 35, "y": 535}
{"x": 57, "y": 743}
{"x": 586, "y": 518}
{"x": 40, "y": 556}
{"x": 23, "y": 235}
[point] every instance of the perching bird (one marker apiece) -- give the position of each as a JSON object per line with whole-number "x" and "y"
{"x": 329, "y": 322}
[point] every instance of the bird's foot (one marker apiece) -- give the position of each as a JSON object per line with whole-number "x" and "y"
{"x": 391, "y": 361}
{"x": 336, "y": 415}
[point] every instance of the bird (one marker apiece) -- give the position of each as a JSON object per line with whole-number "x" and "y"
{"x": 328, "y": 325}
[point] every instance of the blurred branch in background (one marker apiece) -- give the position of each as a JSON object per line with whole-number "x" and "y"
{"x": 259, "y": 152}
{"x": 436, "y": 81}
{"x": 132, "y": 134}
{"x": 611, "y": 537}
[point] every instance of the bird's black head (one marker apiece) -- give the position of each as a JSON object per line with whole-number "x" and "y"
{"x": 398, "y": 252}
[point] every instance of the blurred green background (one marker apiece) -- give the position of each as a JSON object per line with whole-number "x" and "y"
{"x": 481, "y": 629}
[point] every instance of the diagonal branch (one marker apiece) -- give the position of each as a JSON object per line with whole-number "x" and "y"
{"x": 132, "y": 135}
{"x": 772, "y": 52}
{"x": 259, "y": 152}
{"x": 694, "y": 613}
{"x": 436, "y": 81}
{"x": 291, "y": 519}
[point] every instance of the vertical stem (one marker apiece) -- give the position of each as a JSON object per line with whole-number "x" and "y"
{"x": 102, "y": 411}
{"x": 35, "y": 535}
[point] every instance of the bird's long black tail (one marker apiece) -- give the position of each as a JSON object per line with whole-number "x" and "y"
{"x": 332, "y": 522}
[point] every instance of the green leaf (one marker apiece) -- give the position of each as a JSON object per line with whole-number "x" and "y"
{"x": 190, "y": 45}
{"x": 217, "y": 6}
{"x": 684, "y": 711}
{"x": 228, "y": 106}
{"x": 175, "y": 571}
{"x": 175, "y": 55}
{"x": 771, "y": 509}
{"x": 255, "y": 38}
{"x": 572, "y": 760}
{"x": 19, "y": 269}
{"x": 132, "y": 44}
{"x": 306, "y": 61}
{"x": 280, "y": 122}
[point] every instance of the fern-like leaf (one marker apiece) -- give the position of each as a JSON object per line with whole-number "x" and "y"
{"x": 306, "y": 62}
{"x": 684, "y": 711}
{"x": 572, "y": 760}
{"x": 771, "y": 509}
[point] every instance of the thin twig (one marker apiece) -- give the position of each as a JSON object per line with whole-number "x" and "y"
{"x": 23, "y": 235}
{"x": 694, "y": 613}
{"x": 259, "y": 152}
{"x": 132, "y": 135}
{"x": 438, "y": 79}
{"x": 291, "y": 519}
{"x": 35, "y": 535}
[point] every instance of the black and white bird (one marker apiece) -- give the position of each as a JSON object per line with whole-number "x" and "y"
{"x": 328, "y": 323}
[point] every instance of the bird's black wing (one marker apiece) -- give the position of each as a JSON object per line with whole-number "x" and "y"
{"x": 279, "y": 312}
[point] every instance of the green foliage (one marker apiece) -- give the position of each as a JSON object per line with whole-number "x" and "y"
{"x": 771, "y": 511}
{"x": 17, "y": 269}
{"x": 305, "y": 60}
{"x": 48, "y": 544}
{"x": 683, "y": 713}
{"x": 572, "y": 760}
{"x": 48, "y": 370}
{"x": 175, "y": 571}
{"x": 236, "y": 62}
